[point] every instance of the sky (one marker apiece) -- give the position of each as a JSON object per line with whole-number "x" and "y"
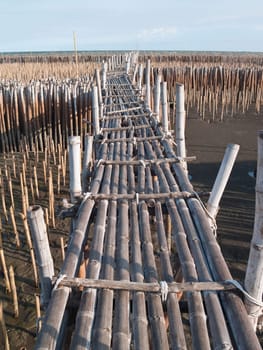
{"x": 195, "y": 25}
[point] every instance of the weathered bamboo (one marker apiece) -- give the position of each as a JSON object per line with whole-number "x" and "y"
{"x": 13, "y": 220}
{"x": 43, "y": 255}
{"x": 147, "y": 100}
{"x": 253, "y": 279}
{"x": 3, "y": 264}
{"x": 221, "y": 179}
{"x": 38, "y": 313}
{"x": 57, "y": 303}
{"x": 157, "y": 95}
{"x": 164, "y": 107}
{"x": 85, "y": 317}
{"x": 5, "y": 341}
{"x": 30, "y": 246}
{"x": 13, "y": 290}
{"x": 95, "y": 111}
{"x": 180, "y": 121}
{"x": 75, "y": 168}
{"x": 87, "y": 161}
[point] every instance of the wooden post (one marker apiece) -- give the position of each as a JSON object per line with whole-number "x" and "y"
{"x": 87, "y": 161}
{"x": 74, "y": 167}
{"x": 104, "y": 75}
{"x": 222, "y": 178}
{"x": 95, "y": 111}
{"x": 164, "y": 107}
{"x": 5, "y": 341}
{"x": 140, "y": 75}
{"x": 254, "y": 276}
{"x": 38, "y": 313}
{"x": 13, "y": 289}
{"x": 180, "y": 121}
{"x": 44, "y": 259}
{"x": 148, "y": 84}
{"x": 4, "y": 268}
{"x": 157, "y": 91}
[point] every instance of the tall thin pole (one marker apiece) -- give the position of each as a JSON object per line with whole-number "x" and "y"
{"x": 76, "y": 52}
{"x": 180, "y": 121}
{"x": 254, "y": 275}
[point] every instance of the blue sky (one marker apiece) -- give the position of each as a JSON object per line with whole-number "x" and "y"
{"x": 205, "y": 25}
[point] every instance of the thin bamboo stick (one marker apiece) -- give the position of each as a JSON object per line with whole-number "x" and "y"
{"x": 5, "y": 342}
{"x": 14, "y": 292}
{"x": 3, "y": 263}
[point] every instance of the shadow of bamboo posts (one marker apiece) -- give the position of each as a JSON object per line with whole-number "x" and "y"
{"x": 254, "y": 278}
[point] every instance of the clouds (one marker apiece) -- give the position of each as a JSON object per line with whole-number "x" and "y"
{"x": 157, "y": 33}
{"x": 121, "y": 25}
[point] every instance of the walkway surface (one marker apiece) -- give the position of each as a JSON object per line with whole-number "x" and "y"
{"x": 149, "y": 242}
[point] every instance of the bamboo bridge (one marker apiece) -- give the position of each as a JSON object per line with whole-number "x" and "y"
{"x": 154, "y": 275}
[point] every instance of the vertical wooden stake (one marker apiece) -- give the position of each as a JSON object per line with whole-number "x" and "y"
{"x": 74, "y": 167}
{"x": 254, "y": 276}
{"x": 164, "y": 107}
{"x": 36, "y": 181}
{"x": 38, "y": 313}
{"x": 180, "y": 121}
{"x": 148, "y": 84}
{"x": 29, "y": 243}
{"x": 3, "y": 263}
{"x": 44, "y": 259}
{"x": 13, "y": 289}
{"x": 62, "y": 248}
{"x": 5, "y": 341}
{"x": 12, "y": 215}
{"x": 87, "y": 161}
{"x": 95, "y": 111}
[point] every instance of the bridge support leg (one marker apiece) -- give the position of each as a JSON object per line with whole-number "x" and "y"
{"x": 74, "y": 167}
{"x": 44, "y": 259}
{"x": 254, "y": 275}
{"x": 180, "y": 121}
{"x": 222, "y": 178}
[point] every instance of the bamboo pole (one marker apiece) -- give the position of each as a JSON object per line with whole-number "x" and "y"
{"x": 75, "y": 168}
{"x": 3, "y": 263}
{"x": 180, "y": 121}
{"x": 157, "y": 94}
{"x": 87, "y": 161}
{"x": 12, "y": 215}
{"x": 5, "y": 341}
{"x": 164, "y": 107}
{"x": 38, "y": 313}
{"x": 14, "y": 292}
{"x": 30, "y": 246}
{"x": 95, "y": 111}
{"x": 253, "y": 278}
{"x": 43, "y": 255}
{"x": 222, "y": 178}
{"x": 147, "y": 100}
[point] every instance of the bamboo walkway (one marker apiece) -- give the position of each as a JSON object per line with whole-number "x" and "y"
{"x": 155, "y": 274}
